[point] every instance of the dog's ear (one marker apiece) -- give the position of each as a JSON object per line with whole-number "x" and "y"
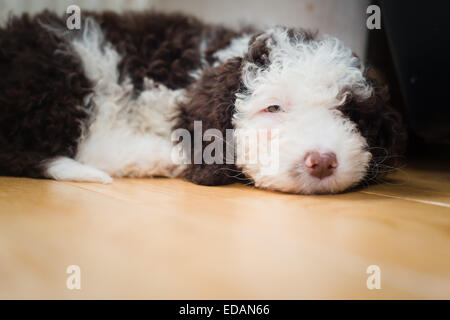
{"x": 211, "y": 101}
{"x": 258, "y": 50}
{"x": 379, "y": 123}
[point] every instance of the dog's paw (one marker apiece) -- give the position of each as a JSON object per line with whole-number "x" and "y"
{"x": 102, "y": 177}
{"x": 66, "y": 169}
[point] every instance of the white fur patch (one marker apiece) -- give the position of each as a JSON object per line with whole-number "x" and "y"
{"x": 309, "y": 80}
{"x": 70, "y": 170}
{"x": 126, "y": 136}
{"x": 237, "y": 48}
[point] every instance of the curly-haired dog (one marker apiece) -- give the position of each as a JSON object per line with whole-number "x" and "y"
{"x": 103, "y": 101}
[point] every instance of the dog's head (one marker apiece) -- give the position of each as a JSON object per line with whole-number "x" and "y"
{"x": 312, "y": 105}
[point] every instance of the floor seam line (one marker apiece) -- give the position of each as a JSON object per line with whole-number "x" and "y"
{"x": 433, "y": 203}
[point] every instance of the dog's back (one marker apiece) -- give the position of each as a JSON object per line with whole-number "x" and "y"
{"x": 46, "y": 89}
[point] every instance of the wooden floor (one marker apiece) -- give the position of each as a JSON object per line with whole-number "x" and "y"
{"x": 161, "y": 238}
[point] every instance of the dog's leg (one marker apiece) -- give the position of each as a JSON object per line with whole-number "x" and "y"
{"x": 67, "y": 169}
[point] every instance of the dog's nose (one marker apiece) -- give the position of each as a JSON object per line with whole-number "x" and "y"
{"x": 321, "y": 165}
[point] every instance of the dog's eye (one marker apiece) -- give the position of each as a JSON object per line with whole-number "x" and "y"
{"x": 273, "y": 109}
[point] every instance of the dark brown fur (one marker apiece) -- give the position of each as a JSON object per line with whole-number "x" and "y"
{"x": 161, "y": 47}
{"x": 211, "y": 100}
{"x": 42, "y": 86}
{"x": 382, "y": 127}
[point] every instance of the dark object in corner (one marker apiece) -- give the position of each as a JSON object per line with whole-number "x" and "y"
{"x": 417, "y": 32}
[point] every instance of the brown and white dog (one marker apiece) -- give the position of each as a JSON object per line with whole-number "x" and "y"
{"x": 103, "y": 102}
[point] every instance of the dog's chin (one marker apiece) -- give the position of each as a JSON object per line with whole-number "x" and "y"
{"x": 307, "y": 185}
{"x": 328, "y": 185}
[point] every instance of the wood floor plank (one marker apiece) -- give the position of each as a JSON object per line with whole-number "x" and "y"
{"x": 161, "y": 238}
{"x": 424, "y": 183}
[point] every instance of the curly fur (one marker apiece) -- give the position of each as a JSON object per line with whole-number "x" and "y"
{"x": 42, "y": 92}
{"x": 102, "y": 102}
{"x": 382, "y": 127}
{"x": 211, "y": 101}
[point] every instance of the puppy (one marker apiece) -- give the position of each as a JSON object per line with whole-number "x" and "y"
{"x": 105, "y": 101}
